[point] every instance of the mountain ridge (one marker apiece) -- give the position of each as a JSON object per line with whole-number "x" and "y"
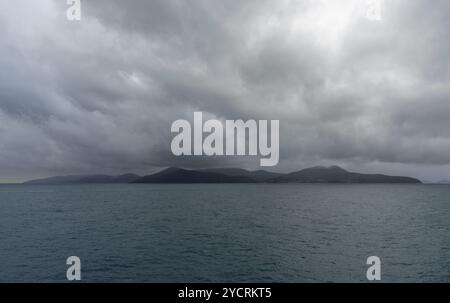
{"x": 318, "y": 174}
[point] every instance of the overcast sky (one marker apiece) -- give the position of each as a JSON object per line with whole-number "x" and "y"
{"x": 99, "y": 95}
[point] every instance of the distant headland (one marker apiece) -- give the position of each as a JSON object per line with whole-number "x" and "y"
{"x": 319, "y": 174}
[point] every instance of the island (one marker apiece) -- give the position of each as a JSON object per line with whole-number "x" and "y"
{"x": 318, "y": 174}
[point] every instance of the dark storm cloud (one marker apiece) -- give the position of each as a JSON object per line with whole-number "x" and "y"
{"x": 100, "y": 95}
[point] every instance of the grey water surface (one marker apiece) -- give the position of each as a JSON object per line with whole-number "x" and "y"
{"x": 224, "y": 232}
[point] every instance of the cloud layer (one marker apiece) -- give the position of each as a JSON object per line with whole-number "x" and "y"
{"x": 99, "y": 95}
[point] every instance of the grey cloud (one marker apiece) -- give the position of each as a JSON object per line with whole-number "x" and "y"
{"x": 99, "y": 95}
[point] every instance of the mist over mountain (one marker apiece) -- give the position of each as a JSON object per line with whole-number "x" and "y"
{"x": 333, "y": 174}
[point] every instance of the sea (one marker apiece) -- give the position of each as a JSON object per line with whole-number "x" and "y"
{"x": 225, "y": 232}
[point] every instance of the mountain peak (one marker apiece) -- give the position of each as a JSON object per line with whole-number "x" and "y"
{"x": 327, "y": 168}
